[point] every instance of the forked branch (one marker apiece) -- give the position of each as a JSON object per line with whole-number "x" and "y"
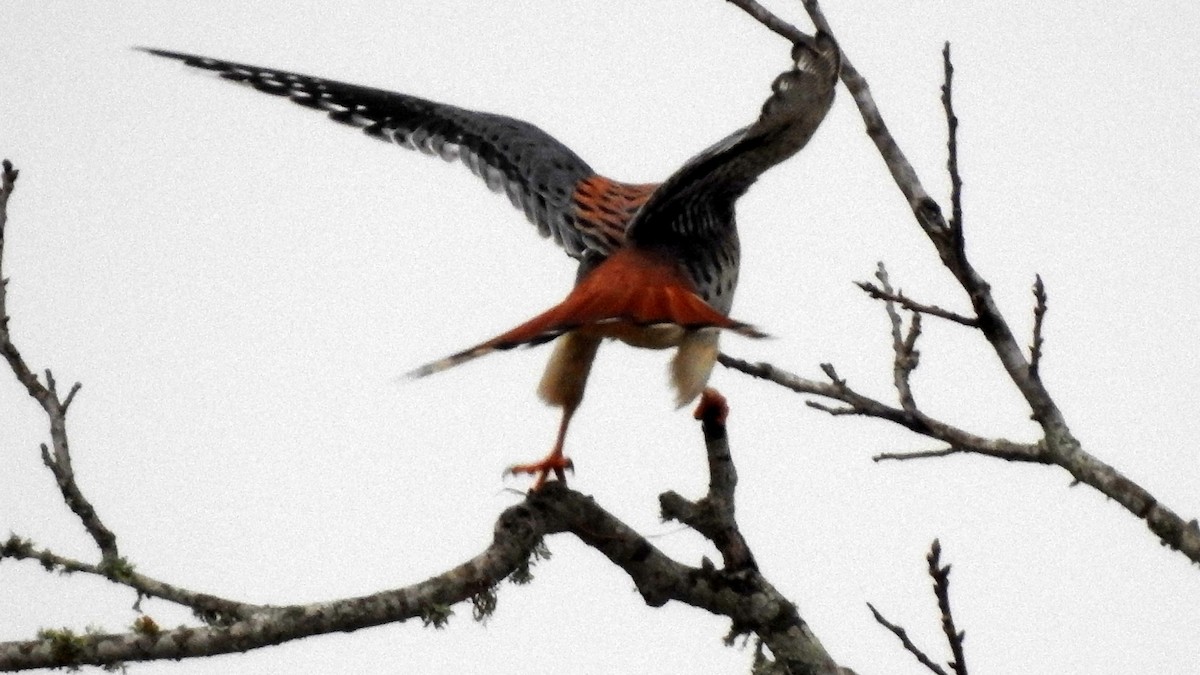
{"x": 1057, "y": 444}
{"x": 736, "y": 590}
{"x": 954, "y": 637}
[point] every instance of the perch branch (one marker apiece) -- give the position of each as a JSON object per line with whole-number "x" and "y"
{"x": 714, "y": 515}
{"x": 737, "y": 591}
{"x": 516, "y": 536}
{"x": 748, "y": 599}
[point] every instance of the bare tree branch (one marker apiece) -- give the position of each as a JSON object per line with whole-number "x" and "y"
{"x": 8, "y": 183}
{"x": 948, "y": 244}
{"x": 956, "y": 214}
{"x": 941, "y": 588}
{"x": 922, "y": 454}
{"x": 912, "y": 648}
{"x": 59, "y": 461}
{"x": 714, "y": 515}
{"x": 906, "y": 356}
{"x": 1058, "y": 445}
{"x": 911, "y": 305}
{"x": 927, "y": 211}
{"x": 859, "y": 404}
{"x": 517, "y": 534}
{"x": 208, "y": 607}
{"x": 740, "y": 593}
{"x": 737, "y": 590}
{"x": 1039, "y": 315}
{"x": 744, "y": 595}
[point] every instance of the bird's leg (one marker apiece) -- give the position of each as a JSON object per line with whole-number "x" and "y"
{"x": 555, "y": 461}
{"x": 562, "y": 385}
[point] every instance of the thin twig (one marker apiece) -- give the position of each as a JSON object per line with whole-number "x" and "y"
{"x": 123, "y": 573}
{"x": 831, "y": 373}
{"x": 866, "y": 406}
{"x": 906, "y": 357}
{"x": 8, "y": 183}
{"x": 59, "y": 463}
{"x": 908, "y": 644}
{"x": 747, "y": 598}
{"x": 1039, "y": 314}
{"x": 911, "y": 305}
{"x": 956, "y": 214}
{"x": 834, "y": 410}
{"x": 941, "y": 588}
{"x": 923, "y": 454}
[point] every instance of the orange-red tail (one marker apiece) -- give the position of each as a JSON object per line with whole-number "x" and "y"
{"x": 633, "y": 290}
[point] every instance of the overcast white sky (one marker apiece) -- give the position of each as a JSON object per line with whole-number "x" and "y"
{"x": 237, "y": 282}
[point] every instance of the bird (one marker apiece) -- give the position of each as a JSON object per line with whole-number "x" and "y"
{"x": 658, "y": 262}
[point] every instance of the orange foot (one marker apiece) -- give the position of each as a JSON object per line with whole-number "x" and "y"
{"x": 712, "y": 407}
{"x": 555, "y": 462}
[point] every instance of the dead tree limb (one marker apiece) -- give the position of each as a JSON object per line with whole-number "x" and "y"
{"x": 1057, "y": 445}
{"x": 736, "y": 590}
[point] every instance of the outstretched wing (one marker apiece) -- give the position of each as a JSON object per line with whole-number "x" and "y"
{"x": 714, "y": 179}
{"x": 557, "y": 190}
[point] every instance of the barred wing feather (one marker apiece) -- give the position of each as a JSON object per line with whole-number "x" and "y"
{"x": 537, "y": 173}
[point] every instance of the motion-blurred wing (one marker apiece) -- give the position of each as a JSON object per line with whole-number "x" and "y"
{"x": 555, "y": 188}
{"x": 713, "y": 180}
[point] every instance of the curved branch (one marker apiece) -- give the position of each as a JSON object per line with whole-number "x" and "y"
{"x": 737, "y": 591}
{"x": 744, "y": 595}
{"x": 517, "y": 534}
